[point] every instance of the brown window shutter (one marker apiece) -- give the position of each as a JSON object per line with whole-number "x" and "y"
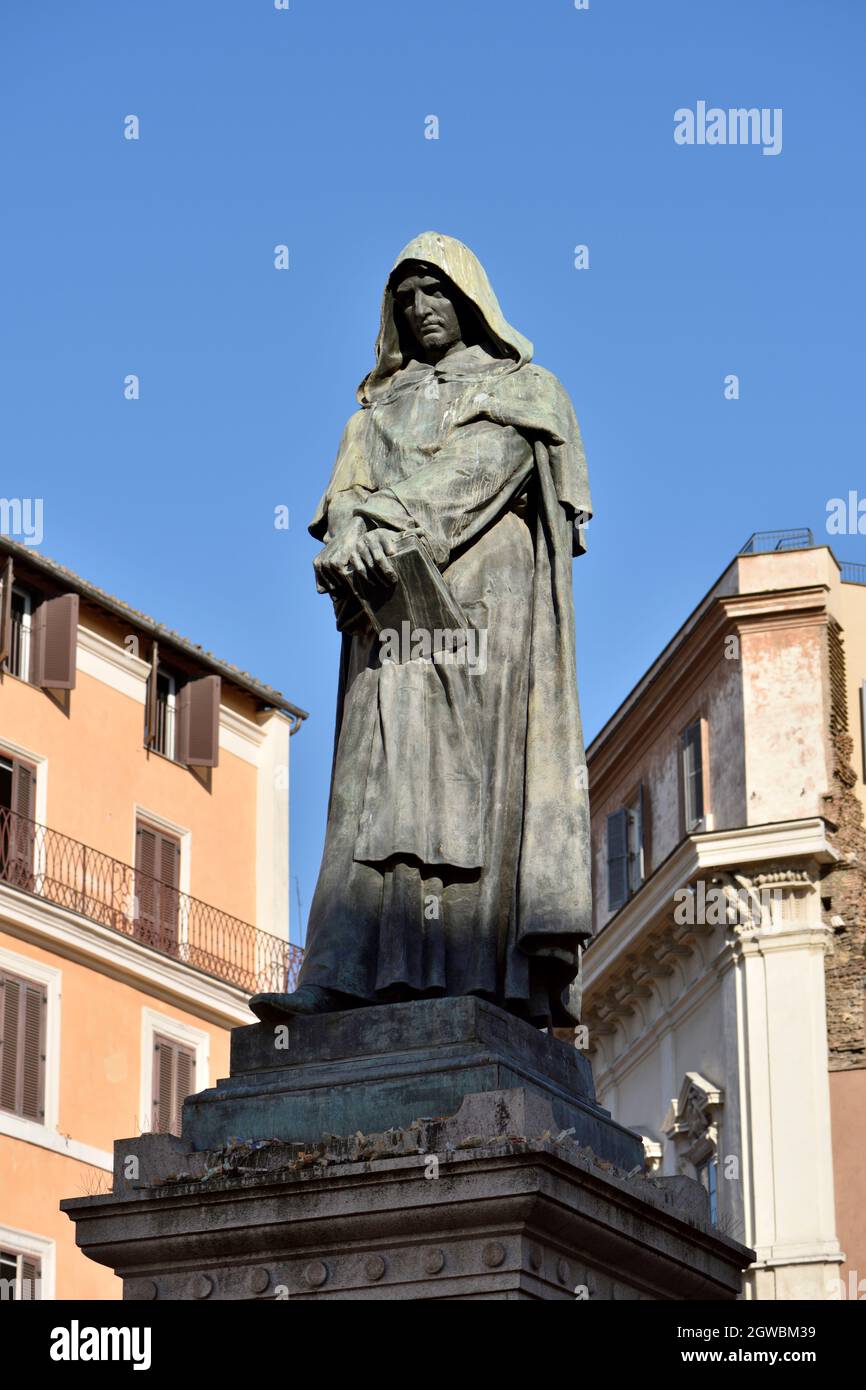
{"x": 169, "y": 875}
{"x": 184, "y": 1082}
{"x": 163, "y": 1071}
{"x": 9, "y": 1017}
{"x": 31, "y": 1271}
{"x": 37, "y": 643}
{"x": 6, "y": 611}
{"x": 173, "y": 1081}
{"x": 199, "y": 722}
{"x": 150, "y": 710}
{"x": 22, "y": 829}
{"x": 33, "y": 1052}
{"x": 22, "y": 1055}
{"x": 145, "y": 878}
{"x": 157, "y": 863}
{"x": 56, "y": 638}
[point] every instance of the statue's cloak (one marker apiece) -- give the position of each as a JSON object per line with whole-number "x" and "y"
{"x": 509, "y": 444}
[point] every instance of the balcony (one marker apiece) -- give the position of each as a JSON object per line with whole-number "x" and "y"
{"x": 38, "y": 860}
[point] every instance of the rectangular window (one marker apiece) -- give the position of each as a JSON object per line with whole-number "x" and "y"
{"x": 173, "y": 1081}
{"x": 635, "y": 814}
{"x": 20, "y": 1276}
{"x": 693, "y": 777}
{"x": 157, "y": 877}
{"x": 160, "y": 710}
{"x": 182, "y": 714}
{"x": 23, "y": 1009}
{"x": 17, "y": 828}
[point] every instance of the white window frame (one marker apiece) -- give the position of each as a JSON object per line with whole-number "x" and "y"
{"x": 45, "y": 1134}
{"x": 38, "y": 1248}
{"x": 155, "y": 1024}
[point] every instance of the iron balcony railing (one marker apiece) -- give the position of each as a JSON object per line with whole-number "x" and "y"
{"x": 41, "y": 861}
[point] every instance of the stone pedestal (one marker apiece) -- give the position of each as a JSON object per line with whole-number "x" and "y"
{"x": 440, "y": 1149}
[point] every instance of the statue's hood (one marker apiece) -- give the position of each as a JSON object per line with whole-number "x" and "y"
{"x": 465, "y": 270}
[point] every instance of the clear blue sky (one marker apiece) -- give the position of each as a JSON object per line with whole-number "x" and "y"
{"x": 306, "y": 127}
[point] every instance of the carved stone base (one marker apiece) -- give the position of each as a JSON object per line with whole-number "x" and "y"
{"x": 501, "y": 1191}
{"x": 490, "y": 1204}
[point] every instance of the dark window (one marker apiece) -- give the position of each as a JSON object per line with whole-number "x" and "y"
{"x": 20, "y": 1276}
{"x": 20, "y": 633}
{"x": 693, "y": 777}
{"x": 157, "y": 878}
{"x": 17, "y": 830}
{"x": 23, "y": 1006}
{"x": 173, "y": 1081}
{"x": 165, "y": 732}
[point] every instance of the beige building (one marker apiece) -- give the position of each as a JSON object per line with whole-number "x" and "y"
{"x": 144, "y": 893}
{"x": 724, "y": 987}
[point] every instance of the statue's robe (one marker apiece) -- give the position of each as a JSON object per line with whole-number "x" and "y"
{"x": 456, "y": 858}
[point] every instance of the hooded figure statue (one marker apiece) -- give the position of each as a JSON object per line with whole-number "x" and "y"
{"x": 456, "y": 857}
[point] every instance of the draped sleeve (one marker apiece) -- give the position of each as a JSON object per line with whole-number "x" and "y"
{"x": 349, "y": 483}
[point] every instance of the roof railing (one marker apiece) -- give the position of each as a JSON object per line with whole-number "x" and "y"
{"x": 797, "y": 538}
{"x": 852, "y": 573}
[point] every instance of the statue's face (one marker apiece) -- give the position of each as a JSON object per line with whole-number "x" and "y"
{"x": 423, "y": 297}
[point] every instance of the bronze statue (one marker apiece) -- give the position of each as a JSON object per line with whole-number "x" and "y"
{"x": 457, "y": 854}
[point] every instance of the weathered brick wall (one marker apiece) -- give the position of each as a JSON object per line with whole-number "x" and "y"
{"x": 843, "y": 891}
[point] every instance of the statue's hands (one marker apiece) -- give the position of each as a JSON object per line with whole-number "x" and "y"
{"x": 354, "y": 552}
{"x": 374, "y": 550}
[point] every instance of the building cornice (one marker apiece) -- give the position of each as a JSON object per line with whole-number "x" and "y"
{"x": 720, "y": 849}
{"x": 58, "y": 929}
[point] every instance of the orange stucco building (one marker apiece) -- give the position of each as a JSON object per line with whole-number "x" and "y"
{"x": 143, "y": 892}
